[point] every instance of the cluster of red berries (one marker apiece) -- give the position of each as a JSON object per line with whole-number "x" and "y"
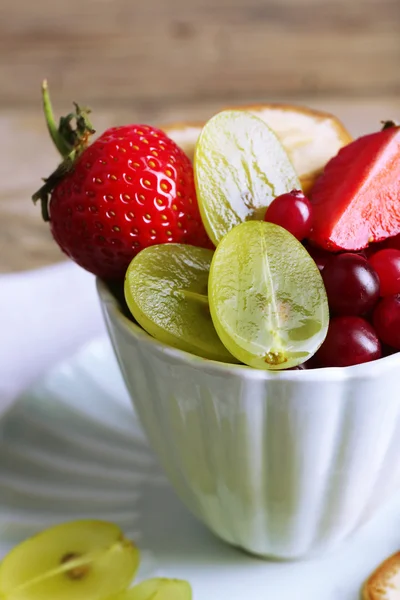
{"x": 363, "y": 290}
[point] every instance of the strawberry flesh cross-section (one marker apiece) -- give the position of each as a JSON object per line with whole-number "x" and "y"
{"x": 356, "y": 200}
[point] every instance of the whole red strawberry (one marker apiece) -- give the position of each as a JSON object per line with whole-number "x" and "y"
{"x": 132, "y": 188}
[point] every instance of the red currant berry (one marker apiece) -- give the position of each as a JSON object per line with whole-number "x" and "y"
{"x": 293, "y": 212}
{"x": 351, "y": 284}
{"x": 387, "y": 264}
{"x": 386, "y": 321}
{"x": 350, "y": 341}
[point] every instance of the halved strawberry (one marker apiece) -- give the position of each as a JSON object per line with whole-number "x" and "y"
{"x": 356, "y": 200}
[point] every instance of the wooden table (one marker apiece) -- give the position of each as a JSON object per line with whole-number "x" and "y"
{"x": 165, "y": 60}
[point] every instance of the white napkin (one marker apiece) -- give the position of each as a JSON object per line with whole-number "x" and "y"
{"x": 45, "y": 315}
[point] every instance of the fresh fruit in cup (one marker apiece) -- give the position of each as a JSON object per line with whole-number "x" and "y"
{"x": 134, "y": 188}
{"x": 356, "y": 199}
{"x": 240, "y": 167}
{"x": 131, "y": 188}
{"x": 81, "y": 560}
{"x": 267, "y": 297}
{"x": 351, "y": 282}
{"x": 166, "y": 292}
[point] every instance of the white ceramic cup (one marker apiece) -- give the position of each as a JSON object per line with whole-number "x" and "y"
{"x": 283, "y": 465}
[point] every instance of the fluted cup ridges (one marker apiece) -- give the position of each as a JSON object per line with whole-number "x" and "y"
{"x": 283, "y": 465}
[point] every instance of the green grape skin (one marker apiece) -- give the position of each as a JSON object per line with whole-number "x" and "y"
{"x": 240, "y": 166}
{"x": 267, "y": 298}
{"x": 166, "y": 290}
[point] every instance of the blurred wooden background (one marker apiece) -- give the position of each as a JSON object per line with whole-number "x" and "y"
{"x": 163, "y": 60}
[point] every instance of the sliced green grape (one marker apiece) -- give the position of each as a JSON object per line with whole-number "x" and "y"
{"x": 81, "y": 560}
{"x": 267, "y": 297}
{"x": 166, "y": 292}
{"x": 158, "y": 589}
{"x": 240, "y": 167}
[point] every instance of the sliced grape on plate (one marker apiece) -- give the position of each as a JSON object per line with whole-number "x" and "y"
{"x": 240, "y": 167}
{"x": 81, "y": 560}
{"x": 267, "y": 298}
{"x": 157, "y": 589}
{"x": 166, "y": 290}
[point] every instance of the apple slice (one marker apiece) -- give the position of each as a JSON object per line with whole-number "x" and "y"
{"x": 310, "y": 137}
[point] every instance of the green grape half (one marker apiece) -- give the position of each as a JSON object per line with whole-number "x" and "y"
{"x": 158, "y": 589}
{"x": 166, "y": 292}
{"x": 240, "y": 167}
{"x": 80, "y": 560}
{"x": 267, "y": 297}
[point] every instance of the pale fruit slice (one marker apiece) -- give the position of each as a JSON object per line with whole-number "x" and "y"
{"x": 158, "y": 589}
{"x": 81, "y": 560}
{"x": 267, "y": 297}
{"x": 310, "y": 137}
{"x": 166, "y": 292}
{"x": 240, "y": 166}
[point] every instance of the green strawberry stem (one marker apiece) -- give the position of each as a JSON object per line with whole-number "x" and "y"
{"x": 69, "y": 142}
{"x": 60, "y": 141}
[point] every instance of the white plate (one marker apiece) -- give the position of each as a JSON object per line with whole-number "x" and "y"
{"x": 72, "y": 448}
